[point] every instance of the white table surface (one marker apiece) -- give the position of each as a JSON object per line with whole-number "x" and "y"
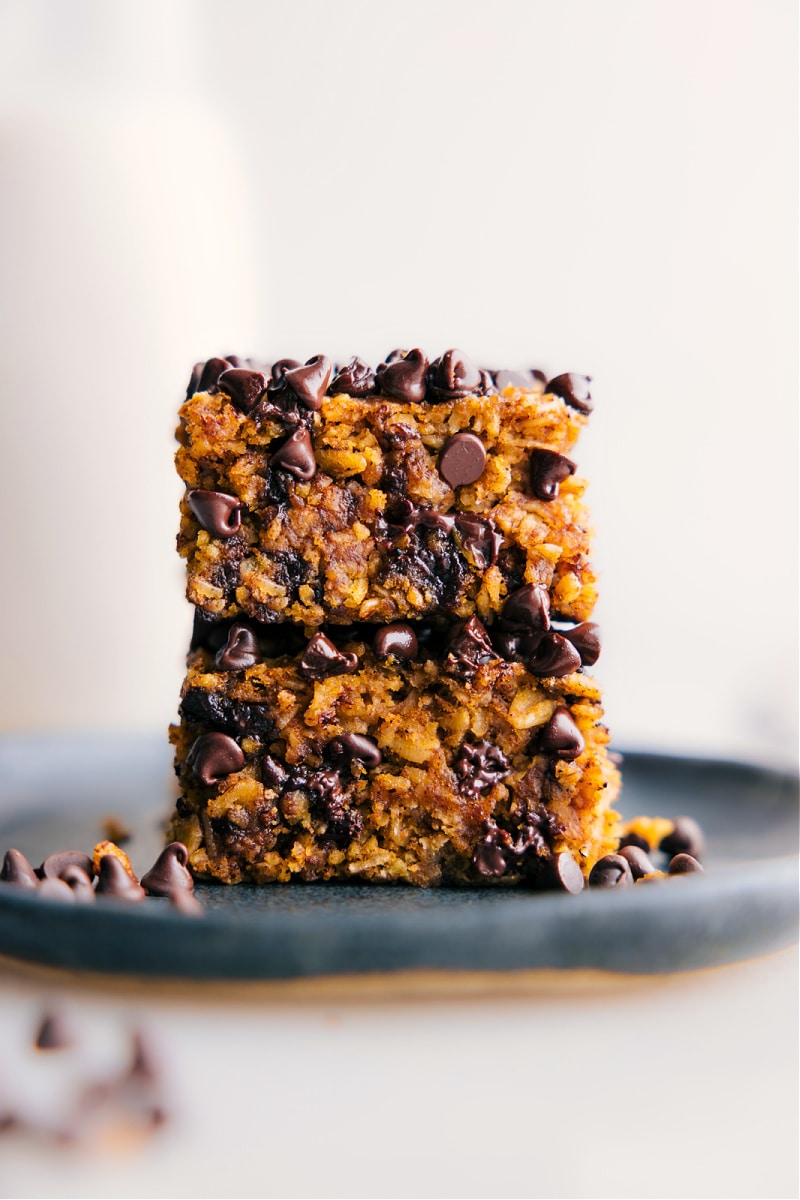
{"x": 547, "y": 1085}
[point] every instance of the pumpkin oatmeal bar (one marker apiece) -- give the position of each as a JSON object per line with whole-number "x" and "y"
{"x": 330, "y": 496}
{"x": 425, "y": 753}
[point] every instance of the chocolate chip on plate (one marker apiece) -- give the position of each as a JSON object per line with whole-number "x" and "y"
{"x": 79, "y": 882}
{"x": 213, "y": 756}
{"x": 170, "y": 872}
{"x": 462, "y": 459}
{"x": 56, "y": 889}
{"x": 686, "y": 837}
{"x": 217, "y": 512}
{"x": 55, "y": 864}
{"x": 114, "y": 881}
{"x": 548, "y": 470}
{"x": 567, "y": 873}
{"x": 684, "y": 864}
{"x": 611, "y": 871}
{"x": 17, "y": 870}
{"x": 637, "y": 860}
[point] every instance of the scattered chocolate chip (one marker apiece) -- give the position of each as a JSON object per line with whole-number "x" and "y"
{"x": 80, "y": 883}
{"x": 56, "y": 889}
{"x": 586, "y": 640}
{"x": 17, "y": 870}
{"x": 54, "y": 865}
{"x": 528, "y": 608}
{"x": 462, "y": 459}
{"x": 187, "y": 903}
{"x": 244, "y": 387}
{"x": 321, "y": 659}
{"x": 561, "y": 736}
{"x": 296, "y": 455}
{"x": 611, "y": 871}
{"x": 453, "y": 376}
{"x": 349, "y": 746}
{"x": 479, "y": 765}
{"x": 403, "y": 378}
{"x": 554, "y": 657}
{"x": 169, "y": 873}
{"x": 548, "y": 470}
{"x": 113, "y": 880}
{"x": 468, "y": 648}
{"x": 241, "y": 650}
{"x": 397, "y": 640}
{"x": 309, "y": 382}
{"x": 567, "y": 873}
{"x": 53, "y": 1033}
{"x": 573, "y": 390}
{"x": 272, "y": 773}
{"x": 357, "y": 379}
{"x": 684, "y": 864}
{"x": 637, "y": 860}
{"x": 213, "y": 756}
{"x": 217, "y": 512}
{"x": 686, "y": 837}
{"x": 489, "y": 859}
{"x": 479, "y": 538}
{"x": 634, "y": 839}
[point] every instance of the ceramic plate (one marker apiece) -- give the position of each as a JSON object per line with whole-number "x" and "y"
{"x": 55, "y": 791}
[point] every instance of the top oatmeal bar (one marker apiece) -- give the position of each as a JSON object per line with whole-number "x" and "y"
{"x": 321, "y": 495}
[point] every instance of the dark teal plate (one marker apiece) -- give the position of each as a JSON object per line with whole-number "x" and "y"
{"x": 54, "y": 792}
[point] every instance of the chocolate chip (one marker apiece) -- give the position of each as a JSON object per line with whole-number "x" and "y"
{"x": 217, "y": 512}
{"x": 245, "y": 388}
{"x": 241, "y": 650}
{"x": 213, "y": 756}
{"x": 54, "y": 865}
{"x": 611, "y": 871}
{"x": 586, "y": 640}
{"x": 296, "y": 455}
{"x": 53, "y": 1033}
{"x": 637, "y": 860}
{"x": 479, "y": 765}
{"x": 489, "y": 859}
{"x": 80, "y": 883}
{"x": 321, "y": 659}
{"x": 357, "y": 379}
{"x": 309, "y": 382}
{"x": 561, "y": 736}
{"x": 279, "y": 370}
{"x": 468, "y": 648}
{"x": 453, "y": 376}
{"x": 349, "y": 746}
{"x": 686, "y": 837}
{"x": 634, "y": 839}
{"x": 523, "y": 380}
{"x": 462, "y": 459}
{"x": 428, "y": 518}
{"x": 528, "y": 608}
{"x": 573, "y": 390}
{"x": 113, "y": 880}
{"x": 548, "y": 470}
{"x": 56, "y": 889}
{"x": 554, "y": 657}
{"x": 17, "y": 870}
{"x": 272, "y": 773}
{"x": 479, "y": 538}
{"x": 684, "y": 864}
{"x": 506, "y": 642}
{"x": 567, "y": 873}
{"x": 205, "y": 376}
{"x": 169, "y": 873}
{"x": 403, "y": 378}
{"x": 187, "y": 903}
{"x": 395, "y": 641}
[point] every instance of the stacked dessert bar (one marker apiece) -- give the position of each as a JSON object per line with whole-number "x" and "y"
{"x": 390, "y": 575}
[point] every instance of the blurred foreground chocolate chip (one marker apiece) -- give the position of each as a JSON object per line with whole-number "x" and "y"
{"x": 244, "y": 387}
{"x": 686, "y": 838}
{"x": 56, "y": 889}
{"x": 462, "y": 459}
{"x": 241, "y": 649}
{"x": 453, "y": 376}
{"x": 357, "y": 379}
{"x": 17, "y": 870}
{"x": 80, "y": 884}
{"x": 573, "y": 390}
{"x": 213, "y": 756}
{"x": 637, "y": 860}
{"x": 217, "y": 512}
{"x": 403, "y": 378}
{"x": 186, "y": 903}
{"x": 528, "y": 608}
{"x": 113, "y": 880}
{"x": 634, "y": 839}
{"x": 611, "y": 871}
{"x": 53, "y": 1033}
{"x": 397, "y": 640}
{"x": 54, "y": 865}
{"x": 479, "y": 538}
{"x": 554, "y": 657}
{"x": 567, "y": 873}
{"x": 350, "y": 746}
{"x": 169, "y": 873}
{"x": 561, "y": 736}
{"x": 684, "y": 864}
{"x": 586, "y": 640}
{"x": 321, "y": 659}
{"x": 309, "y": 382}
{"x": 296, "y": 455}
{"x": 516, "y": 379}
{"x": 548, "y": 470}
